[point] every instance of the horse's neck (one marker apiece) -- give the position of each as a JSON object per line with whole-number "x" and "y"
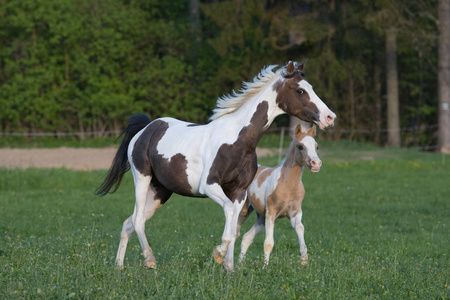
{"x": 252, "y": 118}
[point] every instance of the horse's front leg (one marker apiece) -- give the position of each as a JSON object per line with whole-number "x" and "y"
{"x": 296, "y": 222}
{"x": 229, "y": 258}
{"x": 231, "y": 211}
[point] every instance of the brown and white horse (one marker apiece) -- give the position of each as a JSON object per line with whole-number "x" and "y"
{"x": 278, "y": 192}
{"x": 215, "y": 160}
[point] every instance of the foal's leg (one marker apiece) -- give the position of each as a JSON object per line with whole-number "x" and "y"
{"x": 248, "y": 238}
{"x": 243, "y": 216}
{"x": 296, "y": 222}
{"x": 268, "y": 241}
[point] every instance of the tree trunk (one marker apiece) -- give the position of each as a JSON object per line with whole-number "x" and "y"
{"x": 444, "y": 76}
{"x": 351, "y": 96}
{"x": 393, "y": 120}
{"x": 378, "y": 119}
{"x": 293, "y": 121}
{"x": 194, "y": 15}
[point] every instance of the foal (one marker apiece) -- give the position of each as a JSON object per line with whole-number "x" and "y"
{"x": 278, "y": 192}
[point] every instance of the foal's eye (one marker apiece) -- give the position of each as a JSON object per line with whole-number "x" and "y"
{"x": 300, "y": 91}
{"x": 300, "y": 147}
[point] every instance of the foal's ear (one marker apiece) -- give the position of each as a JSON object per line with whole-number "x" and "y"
{"x": 290, "y": 67}
{"x": 304, "y": 128}
{"x": 298, "y": 130}
{"x": 312, "y": 131}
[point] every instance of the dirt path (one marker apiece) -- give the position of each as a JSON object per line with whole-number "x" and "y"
{"x": 70, "y": 158}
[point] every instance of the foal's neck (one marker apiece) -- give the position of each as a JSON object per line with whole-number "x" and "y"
{"x": 290, "y": 165}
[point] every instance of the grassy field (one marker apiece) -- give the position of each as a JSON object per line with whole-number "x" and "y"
{"x": 376, "y": 225}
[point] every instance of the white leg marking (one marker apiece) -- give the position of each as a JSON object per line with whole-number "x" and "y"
{"x": 151, "y": 206}
{"x": 127, "y": 231}
{"x": 231, "y": 211}
{"x": 142, "y": 185}
{"x": 229, "y": 258}
{"x": 268, "y": 242}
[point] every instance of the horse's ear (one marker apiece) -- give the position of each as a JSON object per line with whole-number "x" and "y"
{"x": 302, "y": 65}
{"x": 290, "y": 67}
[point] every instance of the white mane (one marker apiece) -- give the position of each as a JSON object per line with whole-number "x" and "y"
{"x": 228, "y": 104}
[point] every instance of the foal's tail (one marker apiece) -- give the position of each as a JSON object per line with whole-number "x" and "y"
{"x": 120, "y": 164}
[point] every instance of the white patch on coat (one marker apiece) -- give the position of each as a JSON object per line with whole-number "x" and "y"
{"x": 310, "y": 145}
{"x": 324, "y": 111}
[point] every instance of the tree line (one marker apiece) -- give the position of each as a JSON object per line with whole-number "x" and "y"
{"x": 83, "y": 65}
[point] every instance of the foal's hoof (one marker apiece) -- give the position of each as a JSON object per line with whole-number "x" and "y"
{"x": 218, "y": 256}
{"x": 229, "y": 269}
{"x": 150, "y": 264}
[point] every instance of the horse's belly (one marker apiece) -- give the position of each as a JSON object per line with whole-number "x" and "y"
{"x": 176, "y": 175}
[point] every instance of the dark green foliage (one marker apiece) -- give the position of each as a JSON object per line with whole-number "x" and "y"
{"x": 85, "y": 66}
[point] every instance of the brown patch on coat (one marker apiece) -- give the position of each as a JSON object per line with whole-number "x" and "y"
{"x": 235, "y": 165}
{"x": 295, "y": 104}
{"x": 289, "y": 193}
{"x": 277, "y": 85}
{"x": 257, "y": 204}
{"x": 167, "y": 174}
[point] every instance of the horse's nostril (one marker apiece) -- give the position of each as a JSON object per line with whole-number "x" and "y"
{"x": 330, "y": 119}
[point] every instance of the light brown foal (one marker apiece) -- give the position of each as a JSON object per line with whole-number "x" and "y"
{"x": 278, "y": 192}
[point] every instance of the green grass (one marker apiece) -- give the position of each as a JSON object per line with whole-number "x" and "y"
{"x": 376, "y": 227}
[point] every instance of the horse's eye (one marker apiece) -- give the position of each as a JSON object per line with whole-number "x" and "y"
{"x": 300, "y": 147}
{"x": 300, "y": 91}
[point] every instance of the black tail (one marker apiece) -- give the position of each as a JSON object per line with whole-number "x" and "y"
{"x": 120, "y": 164}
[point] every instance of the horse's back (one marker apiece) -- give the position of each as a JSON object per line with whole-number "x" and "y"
{"x": 172, "y": 151}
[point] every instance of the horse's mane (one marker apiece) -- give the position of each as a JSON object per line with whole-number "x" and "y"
{"x": 230, "y": 103}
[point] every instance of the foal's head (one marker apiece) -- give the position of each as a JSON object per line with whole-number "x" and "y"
{"x": 306, "y": 148}
{"x": 297, "y": 98}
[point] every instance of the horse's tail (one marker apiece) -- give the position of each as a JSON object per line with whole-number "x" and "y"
{"x": 120, "y": 164}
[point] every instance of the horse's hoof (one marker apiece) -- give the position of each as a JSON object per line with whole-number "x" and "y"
{"x": 150, "y": 264}
{"x": 217, "y": 256}
{"x": 304, "y": 261}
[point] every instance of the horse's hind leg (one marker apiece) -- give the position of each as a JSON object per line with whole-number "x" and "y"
{"x": 136, "y": 222}
{"x": 127, "y": 231}
{"x": 156, "y": 197}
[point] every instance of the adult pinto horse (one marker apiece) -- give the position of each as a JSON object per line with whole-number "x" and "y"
{"x": 215, "y": 160}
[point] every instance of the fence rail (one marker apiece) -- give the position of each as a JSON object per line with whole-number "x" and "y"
{"x": 270, "y": 130}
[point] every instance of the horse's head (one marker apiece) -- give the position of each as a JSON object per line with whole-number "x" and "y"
{"x": 296, "y": 97}
{"x": 306, "y": 147}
